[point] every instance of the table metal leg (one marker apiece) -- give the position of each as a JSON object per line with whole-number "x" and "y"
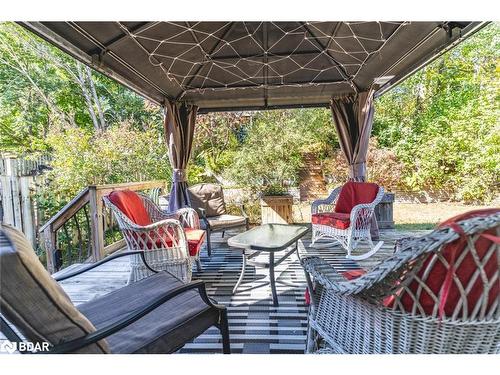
{"x": 271, "y": 278}
{"x": 243, "y": 266}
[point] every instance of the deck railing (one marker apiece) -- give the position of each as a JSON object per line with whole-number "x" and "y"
{"x": 83, "y": 230}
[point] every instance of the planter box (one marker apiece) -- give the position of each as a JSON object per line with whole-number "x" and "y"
{"x": 276, "y": 209}
{"x": 384, "y": 212}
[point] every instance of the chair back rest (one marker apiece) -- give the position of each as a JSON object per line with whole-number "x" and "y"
{"x": 354, "y": 193}
{"x": 154, "y": 195}
{"x": 131, "y": 205}
{"x": 209, "y": 197}
{"x": 33, "y": 301}
{"x": 461, "y": 280}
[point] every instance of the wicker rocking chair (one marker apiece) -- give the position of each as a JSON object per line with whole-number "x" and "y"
{"x": 171, "y": 241}
{"x": 346, "y": 215}
{"x": 437, "y": 294}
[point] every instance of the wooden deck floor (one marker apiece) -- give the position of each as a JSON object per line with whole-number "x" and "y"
{"x": 256, "y": 326}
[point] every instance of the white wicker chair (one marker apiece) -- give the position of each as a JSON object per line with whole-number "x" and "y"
{"x": 164, "y": 242}
{"x": 354, "y": 316}
{"x": 358, "y": 231}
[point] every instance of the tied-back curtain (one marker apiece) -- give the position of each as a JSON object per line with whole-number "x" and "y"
{"x": 353, "y": 119}
{"x": 179, "y": 130}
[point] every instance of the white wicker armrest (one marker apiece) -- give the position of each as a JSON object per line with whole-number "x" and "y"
{"x": 188, "y": 217}
{"x": 325, "y": 274}
{"x": 329, "y": 201}
{"x": 154, "y": 212}
{"x": 156, "y": 225}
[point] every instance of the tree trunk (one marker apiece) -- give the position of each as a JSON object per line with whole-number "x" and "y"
{"x": 97, "y": 101}
{"x": 88, "y": 99}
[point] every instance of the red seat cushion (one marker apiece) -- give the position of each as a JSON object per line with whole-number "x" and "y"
{"x": 195, "y": 239}
{"x": 130, "y": 203}
{"x": 463, "y": 271}
{"x": 333, "y": 219}
{"x": 354, "y": 193}
{"x": 353, "y": 274}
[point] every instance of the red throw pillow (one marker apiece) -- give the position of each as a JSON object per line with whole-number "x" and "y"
{"x": 130, "y": 203}
{"x": 441, "y": 281}
{"x": 354, "y": 193}
{"x": 333, "y": 219}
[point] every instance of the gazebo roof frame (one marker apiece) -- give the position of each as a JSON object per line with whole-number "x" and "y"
{"x": 222, "y": 66}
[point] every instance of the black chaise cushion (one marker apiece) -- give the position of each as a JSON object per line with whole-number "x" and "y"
{"x": 165, "y": 329}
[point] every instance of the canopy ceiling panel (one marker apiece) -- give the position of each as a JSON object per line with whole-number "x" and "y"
{"x": 245, "y": 65}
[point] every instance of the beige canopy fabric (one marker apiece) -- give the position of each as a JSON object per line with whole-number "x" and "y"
{"x": 353, "y": 119}
{"x": 179, "y": 130}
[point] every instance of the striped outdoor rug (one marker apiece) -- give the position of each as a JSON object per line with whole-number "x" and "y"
{"x": 256, "y": 326}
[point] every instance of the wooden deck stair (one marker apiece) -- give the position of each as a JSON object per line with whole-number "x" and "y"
{"x": 312, "y": 184}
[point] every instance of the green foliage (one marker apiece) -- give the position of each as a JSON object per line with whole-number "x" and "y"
{"x": 216, "y": 143}
{"x": 119, "y": 154}
{"x": 384, "y": 167}
{"x": 42, "y": 87}
{"x": 270, "y": 155}
{"x": 443, "y": 124}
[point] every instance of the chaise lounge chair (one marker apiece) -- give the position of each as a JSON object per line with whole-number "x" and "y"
{"x": 158, "y": 314}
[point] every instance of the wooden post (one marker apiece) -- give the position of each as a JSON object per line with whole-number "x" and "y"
{"x": 27, "y": 211}
{"x": 96, "y": 224}
{"x": 16, "y": 202}
{"x": 8, "y": 210}
{"x": 50, "y": 247}
{"x": 384, "y": 212}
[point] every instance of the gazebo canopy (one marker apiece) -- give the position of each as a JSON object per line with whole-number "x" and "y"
{"x": 254, "y": 65}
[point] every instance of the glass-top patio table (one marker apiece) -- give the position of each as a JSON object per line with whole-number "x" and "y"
{"x": 269, "y": 238}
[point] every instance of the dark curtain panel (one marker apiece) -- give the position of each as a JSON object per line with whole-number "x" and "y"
{"x": 179, "y": 131}
{"x": 353, "y": 119}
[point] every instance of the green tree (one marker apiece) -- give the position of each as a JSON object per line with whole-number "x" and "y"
{"x": 443, "y": 122}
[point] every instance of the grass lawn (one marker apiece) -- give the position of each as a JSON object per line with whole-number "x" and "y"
{"x": 413, "y": 216}
{"x": 407, "y": 216}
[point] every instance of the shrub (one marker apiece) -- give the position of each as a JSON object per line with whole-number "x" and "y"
{"x": 269, "y": 158}
{"x": 383, "y": 167}
{"x": 118, "y": 154}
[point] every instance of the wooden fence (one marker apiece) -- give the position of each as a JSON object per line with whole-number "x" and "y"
{"x": 17, "y": 184}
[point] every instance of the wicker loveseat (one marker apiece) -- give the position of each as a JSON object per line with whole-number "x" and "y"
{"x": 437, "y": 294}
{"x": 208, "y": 201}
